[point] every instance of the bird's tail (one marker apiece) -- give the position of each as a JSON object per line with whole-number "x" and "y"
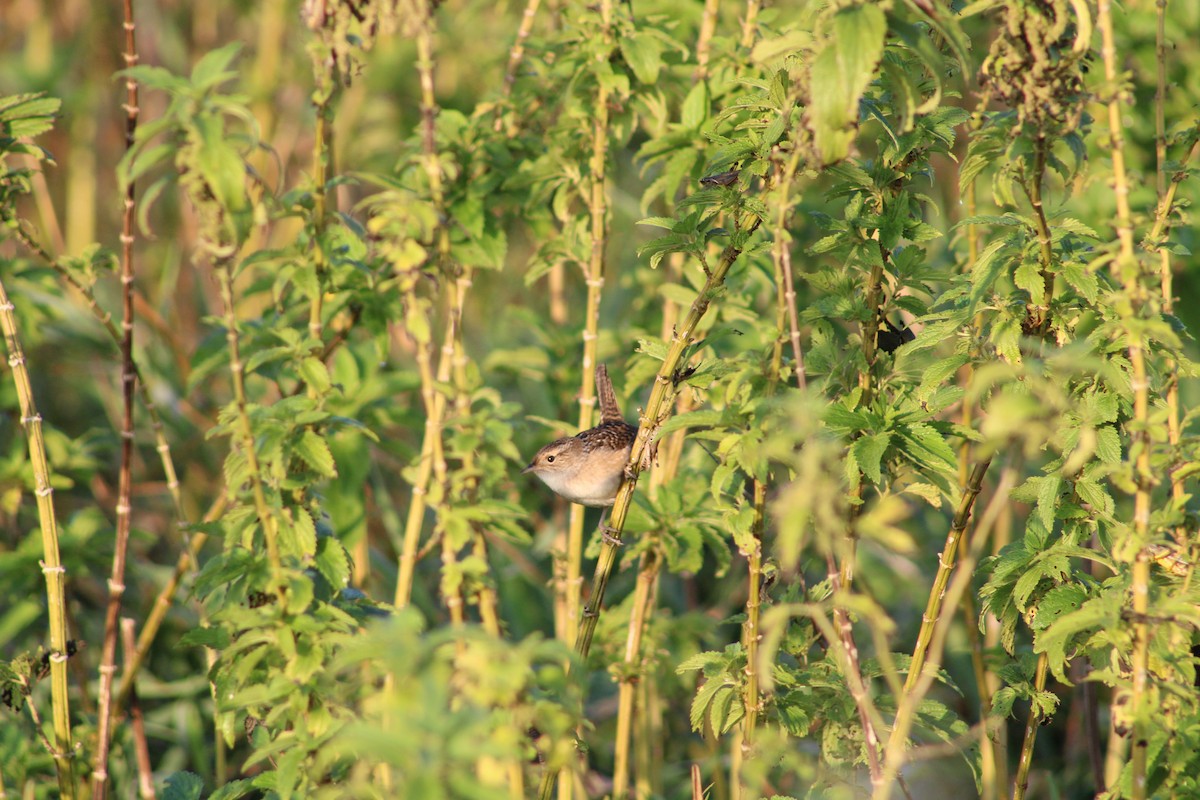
{"x": 609, "y": 410}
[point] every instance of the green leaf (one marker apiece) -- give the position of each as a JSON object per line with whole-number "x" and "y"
{"x": 992, "y": 262}
{"x": 696, "y": 105}
{"x": 1047, "y": 499}
{"x": 1108, "y": 444}
{"x": 841, "y": 72}
{"x": 315, "y": 374}
{"x": 1028, "y": 276}
{"x": 869, "y": 450}
{"x": 315, "y": 452}
{"x": 643, "y": 54}
{"x": 332, "y": 562}
{"x": 183, "y": 786}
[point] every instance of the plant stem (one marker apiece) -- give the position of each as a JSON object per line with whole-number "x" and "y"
{"x": 1166, "y": 272}
{"x": 946, "y": 563}
{"x": 911, "y": 696}
{"x": 750, "y": 641}
{"x": 1031, "y": 728}
{"x": 141, "y": 748}
{"x": 515, "y": 55}
{"x": 1033, "y": 190}
{"x": 643, "y": 595}
{"x": 708, "y": 26}
{"x": 657, "y": 410}
{"x": 116, "y": 584}
{"x": 750, "y": 23}
{"x": 266, "y": 516}
{"x": 1129, "y": 271}
{"x": 597, "y": 203}
{"x": 52, "y": 567}
{"x": 432, "y": 459}
{"x": 162, "y": 604}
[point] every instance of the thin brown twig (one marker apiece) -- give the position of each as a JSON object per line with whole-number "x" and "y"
{"x": 116, "y": 584}
{"x": 141, "y": 747}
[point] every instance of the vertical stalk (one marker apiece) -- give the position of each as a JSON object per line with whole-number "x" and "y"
{"x": 643, "y": 596}
{"x": 116, "y": 584}
{"x": 708, "y": 26}
{"x": 744, "y": 745}
{"x": 52, "y": 567}
{"x": 946, "y": 563}
{"x": 854, "y": 679}
{"x": 515, "y": 54}
{"x": 320, "y": 178}
{"x": 1031, "y": 729}
{"x": 1166, "y": 273}
{"x": 141, "y": 748}
{"x": 656, "y": 412}
{"x": 912, "y": 695}
{"x": 266, "y": 515}
{"x": 1033, "y": 190}
{"x": 750, "y": 23}
{"x": 1129, "y": 271}
{"x": 162, "y": 604}
{"x": 598, "y": 210}
{"x": 432, "y": 461}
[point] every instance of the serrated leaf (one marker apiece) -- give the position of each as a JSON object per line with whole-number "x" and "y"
{"x": 183, "y": 786}
{"x": 315, "y": 452}
{"x": 840, "y": 73}
{"x": 1108, "y": 444}
{"x": 1047, "y": 500}
{"x": 332, "y": 562}
{"x": 869, "y": 450}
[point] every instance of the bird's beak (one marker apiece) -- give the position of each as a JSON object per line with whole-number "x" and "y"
{"x": 528, "y": 469}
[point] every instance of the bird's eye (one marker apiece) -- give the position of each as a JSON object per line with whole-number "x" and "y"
{"x": 549, "y": 459}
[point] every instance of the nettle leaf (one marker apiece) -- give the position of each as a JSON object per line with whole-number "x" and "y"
{"x": 841, "y": 72}
{"x": 1108, "y": 444}
{"x": 183, "y": 786}
{"x": 315, "y": 451}
{"x": 868, "y": 451}
{"x": 1100, "y": 613}
{"x": 1028, "y": 276}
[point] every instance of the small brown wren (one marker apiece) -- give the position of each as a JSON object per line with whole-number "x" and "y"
{"x": 587, "y": 468}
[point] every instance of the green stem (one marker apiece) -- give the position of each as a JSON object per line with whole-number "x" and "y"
{"x": 946, "y": 564}
{"x": 1031, "y": 728}
{"x": 52, "y": 567}
{"x": 643, "y": 594}
{"x": 1129, "y": 270}
{"x": 266, "y": 516}
{"x": 597, "y": 203}
{"x": 657, "y": 410}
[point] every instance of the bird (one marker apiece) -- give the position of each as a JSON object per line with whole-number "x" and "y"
{"x": 587, "y": 468}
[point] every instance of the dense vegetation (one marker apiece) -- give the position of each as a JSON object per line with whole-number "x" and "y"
{"x": 891, "y": 287}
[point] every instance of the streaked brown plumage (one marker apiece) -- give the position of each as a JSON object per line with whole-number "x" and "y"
{"x": 587, "y": 468}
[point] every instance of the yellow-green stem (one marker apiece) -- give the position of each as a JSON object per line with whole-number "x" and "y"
{"x": 631, "y": 666}
{"x": 1031, "y": 728}
{"x": 657, "y": 410}
{"x": 52, "y": 568}
{"x": 1129, "y": 271}
{"x": 597, "y": 202}
{"x": 321, "y": 151}
{"x": 515, "y": 54}
{"x": 946, "y": 563}
{"x": 266, "y": 516}
{"x": 1033, "y": 190}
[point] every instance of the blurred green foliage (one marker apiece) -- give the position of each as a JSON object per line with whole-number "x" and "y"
{"x": 364, "y": 249}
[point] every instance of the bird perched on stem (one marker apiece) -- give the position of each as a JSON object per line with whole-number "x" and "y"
{"x": 587, "y": 468}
